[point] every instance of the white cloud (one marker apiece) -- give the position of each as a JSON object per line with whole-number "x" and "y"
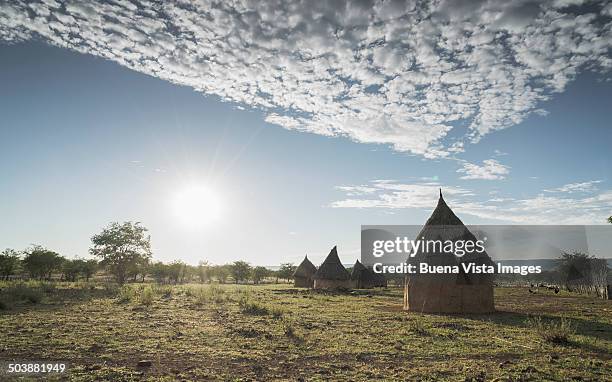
{"x": 490, "y": 169}
{"x": 589, "y": 186}
{"x": 539, "y": 209}
{"x": 400, "y": 73}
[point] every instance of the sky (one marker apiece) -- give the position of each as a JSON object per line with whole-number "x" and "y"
{"x": 304, "y": 120}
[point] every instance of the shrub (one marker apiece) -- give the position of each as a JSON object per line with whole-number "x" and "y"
{"x": 276, "y": 312}
{"x": 164, "y": 291}
{"x": 146, "y": 296}
{"x": 48, "y": 287}
{"x": 290, "y": 332}
{"x": 33, "y": 296}
{"x": 251, "y": 307}
{"x": 23, "y": 292}
{"x": 201, "y": 295}
{"x": 556, "y": 331}
{"x": 125, "y": 294}
{"x": 418, "y": 327}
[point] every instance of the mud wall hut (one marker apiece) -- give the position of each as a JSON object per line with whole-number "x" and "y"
{"x": 302, "y": 277}
{"x": 449, "y": 292}
{"x": 332, "y": 274}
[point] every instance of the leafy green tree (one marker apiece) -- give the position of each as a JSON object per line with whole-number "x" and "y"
{"x": 160, "y": 272}
{"x": 89, "y": 268}
{"x": 9, "y": 263}
{"x": 286, "y": 271}
{"x": 71, "y": 269}
{"x": 240, "y": 271}
{"x": 41, "y": 262}
{"x": 121, "y": 247}
{"x": 610, "y": 220}
{"x": 259, "y": 273}
{"x": 221, "y": 273}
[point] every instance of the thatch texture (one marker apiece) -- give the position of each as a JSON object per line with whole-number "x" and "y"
{"x": 364, "y": 278}
{"x": 303, "y": 274}
{"x": 449, "y": 292}
{"x": 332, "y": 274}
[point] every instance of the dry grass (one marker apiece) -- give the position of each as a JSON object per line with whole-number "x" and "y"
{"x": 226, "y": 332}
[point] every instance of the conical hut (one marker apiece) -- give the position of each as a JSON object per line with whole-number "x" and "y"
{"x": 365, "y": 278}
{"x": 303, "y": 274}
{"x": 332, "y": 274}
{"x": 448, "y": 292}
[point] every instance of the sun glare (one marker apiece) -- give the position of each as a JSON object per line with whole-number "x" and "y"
{"x": 196, "y": 206}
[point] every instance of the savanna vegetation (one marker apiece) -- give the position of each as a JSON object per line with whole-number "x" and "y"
{"x": 167, "y": 332}
{"x": 123, "y": 317}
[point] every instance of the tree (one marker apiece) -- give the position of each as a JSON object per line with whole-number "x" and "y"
{"x": 286, "y": 271}
{"x": 220, "y": 272}
{"x": 240, "y": 270}
{"x": 176, "y": 271}
{"x": 610, "y": 220}
{"x": 203, "y": 271}
{"x": 71, "y": 269}
{"x": 159, "y": 271}
{"x": 41, "y": 262}
{"x": 121, "y": 247}
{"x": 259, "y": 273}
{"x": 574, "y": 267}
{"x": 9, "y": 263}
{"x": 89, "y": 268}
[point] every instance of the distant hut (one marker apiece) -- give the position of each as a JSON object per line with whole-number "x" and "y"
{"x": 332, "y": 274}
{"x": 448, "y": 293}
{"x": 303, "y": 274}
{"x": 365, "y": 278}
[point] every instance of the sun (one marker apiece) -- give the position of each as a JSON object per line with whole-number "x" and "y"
{"x": 196, "y": 206}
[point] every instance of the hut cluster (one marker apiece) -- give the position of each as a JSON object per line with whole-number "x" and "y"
{"x": 447, "y": 293}
{"x": 331, "y": 274}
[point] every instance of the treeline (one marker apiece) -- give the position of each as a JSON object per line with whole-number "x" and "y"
{"x": 41, "y": 263}
{"x": 575, "y": 272}
{"x": 123, "y": 251}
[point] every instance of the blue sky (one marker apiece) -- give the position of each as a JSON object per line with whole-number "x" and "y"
{"x": 86, "y": 140}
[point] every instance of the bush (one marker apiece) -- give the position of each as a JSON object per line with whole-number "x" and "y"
{"x": 48, "y": 287}
{"x": 22, "y": 292}
{"x": 556, "y": 331}
{"x": 418, "y": 327}
{"x": 164, "y": 291}
{"x": 290, "y": 332}
{"x": 276, "y": 312}
{"x": 146, "y": 296}
{"x": 33, "y": 296}
{"x": 4, "y": 305}
{"x": 252, "y": 307}
{"x": 125, "y": 294}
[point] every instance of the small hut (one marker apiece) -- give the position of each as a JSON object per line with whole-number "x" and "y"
{"x": 303, "y": 274}
{"x": 365, "y": 278}
{"x": 332, "y": 274}
{"x": 449, "y": 292}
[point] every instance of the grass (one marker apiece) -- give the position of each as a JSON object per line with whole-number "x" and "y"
{"x": 556, "y": 331}
{"x": 275, "y": 332}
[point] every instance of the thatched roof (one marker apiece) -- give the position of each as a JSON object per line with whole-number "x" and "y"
{"x": 358, "y": 270}
{"x": 366, "y": 276}
{"x": 444, "y": 225}
{"x": 332, "y": 268}
{"x": 305, "y": 269}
